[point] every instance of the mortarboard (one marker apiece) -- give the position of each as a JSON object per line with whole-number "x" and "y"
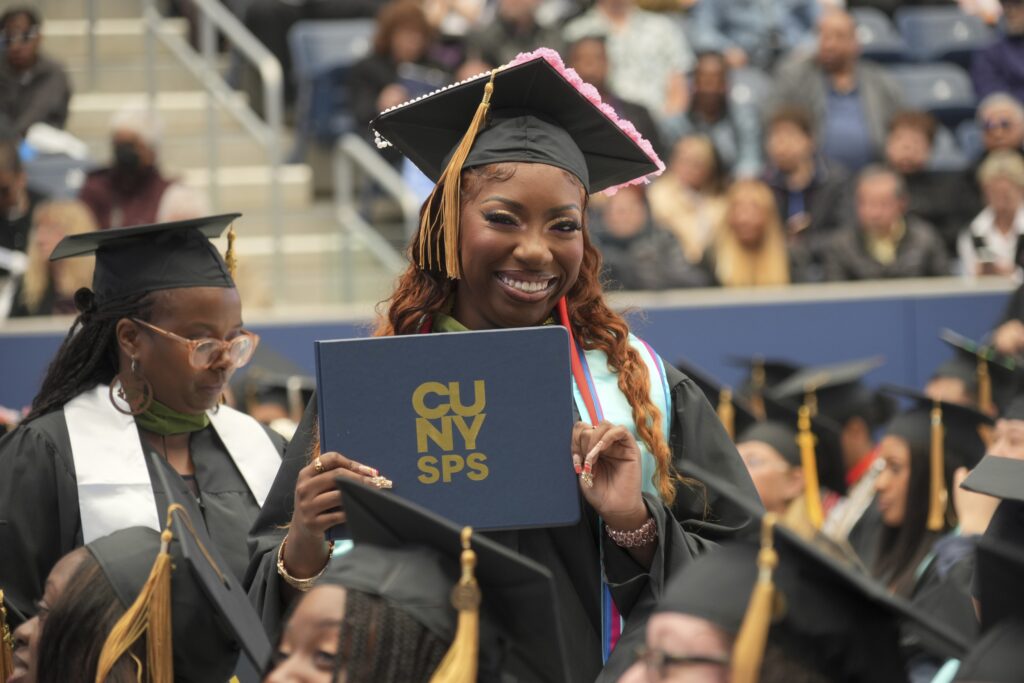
{"x": 211, "y": 619}
{"x": 1002, "y": 478}
{"x": 794, "y": 594}
{"x": 271, "y": 378}
{"x": 837, "y": 391}
{"x": 951, "y": 434}
{"x": 763, "y": 374}
{"x": 147, "y": 258}
{"x": 733, "y": 412}
{"x": 996, "y": 376}
{"x": 1014, "y": 409}
{"x": 410, "y": 557}
{"x": 533, "y": 110}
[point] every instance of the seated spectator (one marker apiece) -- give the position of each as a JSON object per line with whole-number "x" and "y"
{"x": 649, "y": 53}
{"x": 128, "y": 192}
{"x": 735, "y": 130}
{"x": 884, "y": 242}
{"x": 852, "y": 100}
{"x": 33, "y": 87}
{"x": 689, "y": 198}
{"x": 992, "y": 244}
{"x": 1001, "y": 117}
{"x": 749, "y": 248}
{"x": 1000, "y": 66}
{"x": 48, "y": 287}
{"x": 638, "y": 254}
{"x": 751, "y": 33}
{"x": 17, "y": 201}
{"x": 812, "y": 195}
{"x": 937, "y": 197}
{"x": 589, "y": 57}
{"x": 380, "y": 80}
{"x": 454, "y": 18}
{"x": 514, "y": 29}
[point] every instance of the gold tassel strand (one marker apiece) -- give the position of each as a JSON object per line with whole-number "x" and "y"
{"x": 149, "y": 615}
{"x": 984, "y": 387}
{"x": 726, "y": 412}
{"x": 460, "y": 662}
{"x": 805, "y": 439}
{"x": 431, "y": 234}
{"x": 6, "y": 643}
{"x": 230, "y": 257}
{"x": 748, "y": 650}
{"x": 758, "y": 380}
{"x": 937, "y": 485}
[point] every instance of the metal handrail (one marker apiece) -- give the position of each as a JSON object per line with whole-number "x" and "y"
{"x": 352, "y": 153}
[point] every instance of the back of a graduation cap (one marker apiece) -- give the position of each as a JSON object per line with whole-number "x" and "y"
{"x": 410, "y": 557}
{"x": 138, "y": 260}
{"x": 763, "y": 374}
{"x": 837, "y": 391}
{"x": 789, "y": 592}
{"x": 532, "y": 110}
{"x": 733, "y": 412}
{"x": 996, "y": 379}
{"x": 1002, "y": 478}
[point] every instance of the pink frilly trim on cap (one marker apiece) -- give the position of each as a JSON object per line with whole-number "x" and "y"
{"x": 594, "y": 97}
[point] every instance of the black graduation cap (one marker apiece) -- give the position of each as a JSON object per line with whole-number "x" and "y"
{"x": 996, "y": 377}
{"x": 536, "y": 115}
{"x": 146, "y": 258}
{"x": 735, "y": 413}
{"x": 837, "y": 391}
{"x": 996, "y": 656}
{"x": 410, "y": 557}
{"x": 1002, "y": 478}
{"x": 762, "y": 375}
{"x": 962, "y": 444}
{"x": 814, "y": 607}
{"x": 271, "y": 378}
{"x": 1015, "y": 409}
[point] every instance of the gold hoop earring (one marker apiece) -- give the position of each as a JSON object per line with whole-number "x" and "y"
{"x": 136, "y": 393}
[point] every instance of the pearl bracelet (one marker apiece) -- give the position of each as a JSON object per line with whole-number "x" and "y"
{"x": 646, "y": 534}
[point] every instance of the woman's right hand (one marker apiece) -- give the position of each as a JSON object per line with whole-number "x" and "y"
{"x": 318, "y": 507}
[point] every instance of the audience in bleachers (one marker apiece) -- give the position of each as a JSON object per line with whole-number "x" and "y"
{"x": 884, "y": 241}
{"x": 129, "y": 190}
{"x": 514, "y": 29}
{"x": 1002, "y": 123}
{"x": 751, "y": 33}
{"x": 17, "y": 201}
{"x": 1000, "y": 66}
{"x": 851, "y": 99}
{"x": 735, "y": 129}
{"x": 33, "y": 87}
{"x": 648, "y": 53}
{"x": 689, "y": 198}
{"x": 991, "y": 245}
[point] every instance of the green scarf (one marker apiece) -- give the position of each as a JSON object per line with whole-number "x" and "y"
{"x": 160, "y": 419}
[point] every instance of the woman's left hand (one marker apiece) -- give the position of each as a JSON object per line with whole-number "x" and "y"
{"x": 610, "y": 453}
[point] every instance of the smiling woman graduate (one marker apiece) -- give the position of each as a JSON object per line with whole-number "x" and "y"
{"x": 503, "y": 243}
{"x": 141, "y": 371}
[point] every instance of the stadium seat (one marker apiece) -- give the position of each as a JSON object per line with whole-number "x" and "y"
{"x": 943, "y": 89}
{"x": 749, "y": 87}
{"x": 941, "y": 34}
{"x": 57, "y": 175}
{"x": 970, "y": 137}
{"x": 946, "y": 153}
{"x": 878, "y": 37}
{"x": 322, "y": 53}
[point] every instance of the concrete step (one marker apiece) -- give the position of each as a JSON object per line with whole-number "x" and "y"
{"x": 78, "y": 9}
{"x": 248, "y": 187}
{"x": 126, "y": 77}
{"x": 67, "y": 40}
{"x": 316, "y": 219}
{"x": 193, "y": 151}
{"x": 182, "y": 112}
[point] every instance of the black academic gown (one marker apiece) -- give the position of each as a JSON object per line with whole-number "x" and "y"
{"x": 572, "y": 554}
{"x": 39, "y": 511}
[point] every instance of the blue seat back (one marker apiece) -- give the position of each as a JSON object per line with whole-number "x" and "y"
{"x": 879, "y": 40}
{"x": 943, "y": 89}
{"x": 942, "y": 33}
{"x": 946, "y": 153}
{"x": 971, "y": 138}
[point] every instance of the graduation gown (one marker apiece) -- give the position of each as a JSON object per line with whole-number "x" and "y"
{"x": 572, "y": 554}
{"x": 40, "y": 520}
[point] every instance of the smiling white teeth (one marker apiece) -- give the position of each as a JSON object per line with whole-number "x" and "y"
{"x": 522, "y": 286}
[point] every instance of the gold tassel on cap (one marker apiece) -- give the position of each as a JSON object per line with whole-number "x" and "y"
{"x": 230, "y": 257}
{"x": 984, "y": 387}
{"x": 758, "y": 380}
{"x": 726, "y": 412}
{"x": 149, "y": 615}
{"x": 445, "y": 201}
{"x": 937, "y": 485}
{"x": 6, "y": 643}
{"x": 748, "y": 650}
{"x": 805, "y": 439}
{"x": 460, "y": 662}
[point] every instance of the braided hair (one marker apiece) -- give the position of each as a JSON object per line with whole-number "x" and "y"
{"x": 382, "y": 644}
{"x": 89, "y": 354}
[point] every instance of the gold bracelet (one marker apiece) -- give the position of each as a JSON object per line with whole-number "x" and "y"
{"x": 300, "y": 584}
{"x": 646, "y": 534}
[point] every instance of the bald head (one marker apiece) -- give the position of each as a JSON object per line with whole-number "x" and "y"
{"x": 838, "y": 48}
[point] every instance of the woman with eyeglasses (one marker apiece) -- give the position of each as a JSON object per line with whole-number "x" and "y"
{"x": 141, "y": 371}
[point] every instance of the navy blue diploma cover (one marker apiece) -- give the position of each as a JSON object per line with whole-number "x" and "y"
{"x": 474, "y": 426}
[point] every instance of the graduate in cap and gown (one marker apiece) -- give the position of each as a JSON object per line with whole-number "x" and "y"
{"x": 141, "y": 372}
{"x": 763, "y": 374}
{"x": 991, "y": 379}
{"x": 503, "y": 243}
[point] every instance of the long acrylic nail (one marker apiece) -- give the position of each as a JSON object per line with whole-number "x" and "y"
{"x": 367, "y": 471}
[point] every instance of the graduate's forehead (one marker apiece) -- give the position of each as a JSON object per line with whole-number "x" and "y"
{"x": 522, "y": 182}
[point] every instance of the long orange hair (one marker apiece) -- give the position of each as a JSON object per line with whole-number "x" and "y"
{"x": 421, "y": 293}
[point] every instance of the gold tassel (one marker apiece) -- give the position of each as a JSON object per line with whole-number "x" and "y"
{"x": 460, "y": 662}
{"x": 230, "y": 258}
{"x": 984, "y": 387}
{"x": 937, "y": 489}
{"x": 809, "y": 462}
{"x": 6, "y": 643}
{"x": 445, "y": 226}
{"x": 748, "y": 650}
{"x": 758, "y": 379}
{"x": 726, "y": 412}
{"x": 149, "y": 615}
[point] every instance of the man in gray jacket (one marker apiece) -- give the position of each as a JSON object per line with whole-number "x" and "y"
{"x": 852, "y": 100}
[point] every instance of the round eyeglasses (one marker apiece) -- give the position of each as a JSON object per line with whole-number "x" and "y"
{"x": 202, "y": 353}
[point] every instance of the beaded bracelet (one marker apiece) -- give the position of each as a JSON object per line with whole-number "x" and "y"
{"x": 646, "y": 534}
